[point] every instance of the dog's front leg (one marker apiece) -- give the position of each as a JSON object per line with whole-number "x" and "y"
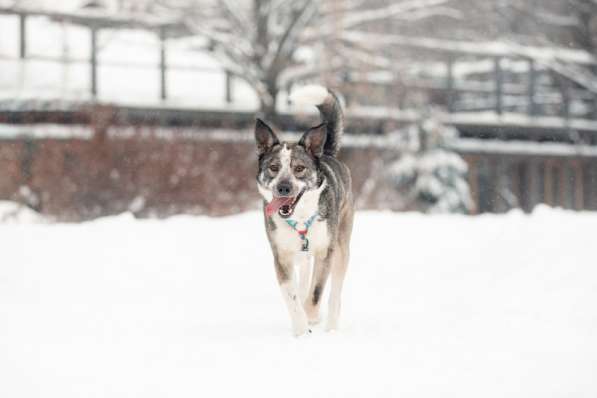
{"x": 302, "y": 262}
{"x": 321, "y": 272}
{"x": 284, "y": 272}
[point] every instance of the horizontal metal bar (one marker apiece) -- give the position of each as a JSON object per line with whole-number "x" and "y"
{"x": 129, "y": 65}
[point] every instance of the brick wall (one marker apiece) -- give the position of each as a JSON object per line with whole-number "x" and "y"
{"x": 75, "y": 179}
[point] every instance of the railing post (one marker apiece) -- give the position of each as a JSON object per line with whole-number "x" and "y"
{"x": 347, "y": 91}
{"x": 450, "y": 83}
{"x": 565, "y": 89}
{"x": 93, "y": 61}
{"x": 532, "y": 88}
{"x": 228, "y": 86}
{"x": 163, "y": 64}
{"x": 288, "y": 91}
{"x": 579, "y": 188}
{"x": 593, "y": 111}
{"x": 499, "y": 83}
{"x": 533, "y": 184}
{"x": 22, "y": 36}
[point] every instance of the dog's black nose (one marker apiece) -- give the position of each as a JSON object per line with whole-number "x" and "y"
{"x": 284, "y": 188}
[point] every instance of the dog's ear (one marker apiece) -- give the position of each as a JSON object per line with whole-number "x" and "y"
{"x": 265, "y": 137}
{"x": 314, "y": 140}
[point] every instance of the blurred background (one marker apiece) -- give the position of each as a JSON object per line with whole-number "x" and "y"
{"x": 464, "y": 106}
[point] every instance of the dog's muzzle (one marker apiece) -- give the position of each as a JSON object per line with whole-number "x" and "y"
{"x": 284, "y": 205}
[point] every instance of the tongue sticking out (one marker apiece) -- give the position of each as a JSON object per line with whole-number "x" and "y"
{"x": 276, "y": 203}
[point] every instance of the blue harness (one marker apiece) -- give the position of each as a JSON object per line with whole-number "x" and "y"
{"x": 303, "y": 232}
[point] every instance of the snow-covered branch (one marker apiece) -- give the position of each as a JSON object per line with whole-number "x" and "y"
{"x": 399, "y": 10}
{"x": 289, "y": 40}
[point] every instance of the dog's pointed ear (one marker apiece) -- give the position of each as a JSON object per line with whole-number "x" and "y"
{"x": 314, "y": 140}
{"x": 265, "y": 137}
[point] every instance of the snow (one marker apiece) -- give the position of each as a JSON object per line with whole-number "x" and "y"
{"x": 405, "y": 10}
{"x": 452, "y": 306}
{"x": 55, "y": 131}
{"x": 518, "y": 120}
{"x": 59, "y": 131}
{"x": 489, "y": 48}
{"x": 514, "y": 147}
{"x": 11, "y": 212}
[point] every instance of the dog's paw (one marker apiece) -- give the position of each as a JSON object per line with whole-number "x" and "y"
{"x": 312, "y": 314}
{"x": 314, "y": 320}
{"x": 308, "y": 332}
{"x": 329, "y": 328}
{"x": 313, "y": 317}
{"x": 300, "y": 326}
{"x": 301, "y": 330}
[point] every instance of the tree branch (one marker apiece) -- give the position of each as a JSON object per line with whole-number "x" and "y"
{"x": 360, "y": 17}
{"x": 288, "y": 42}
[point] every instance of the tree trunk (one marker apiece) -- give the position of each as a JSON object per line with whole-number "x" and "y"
{"x": 269, "y": 100}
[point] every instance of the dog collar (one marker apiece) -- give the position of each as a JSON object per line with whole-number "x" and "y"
{"x": 303, "y": 232}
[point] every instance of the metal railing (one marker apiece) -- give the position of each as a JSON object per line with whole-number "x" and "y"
{"x": 95, "y": 26}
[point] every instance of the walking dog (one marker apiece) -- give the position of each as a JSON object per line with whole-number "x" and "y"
{"x": 308, "y": 209}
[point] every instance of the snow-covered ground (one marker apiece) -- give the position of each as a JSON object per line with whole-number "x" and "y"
{"x": 435, "y": 306}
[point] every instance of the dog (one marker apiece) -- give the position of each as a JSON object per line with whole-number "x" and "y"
{"x": 308, "y": 208}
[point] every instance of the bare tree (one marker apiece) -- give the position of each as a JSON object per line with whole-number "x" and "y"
{"x": 259, "y": 41}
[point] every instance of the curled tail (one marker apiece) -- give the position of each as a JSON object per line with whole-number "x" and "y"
{"x": 331, "y": 112}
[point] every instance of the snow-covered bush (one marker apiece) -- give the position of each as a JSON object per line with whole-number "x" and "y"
{"x": 13, "y": 212}
{"x": 431, "y": 175}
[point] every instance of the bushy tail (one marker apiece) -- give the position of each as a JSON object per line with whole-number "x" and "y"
{"x": 331, "y": 112}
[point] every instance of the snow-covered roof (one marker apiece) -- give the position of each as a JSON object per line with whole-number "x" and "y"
{"x": 487, "y": 48}
{"x": 460, "y": 145}
{"x": 96, "y": 17}
{"x": 513, "y": 120}
{"x": 524, "y": 148}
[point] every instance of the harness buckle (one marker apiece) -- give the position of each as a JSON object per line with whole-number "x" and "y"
{"x": 305, "y": 247}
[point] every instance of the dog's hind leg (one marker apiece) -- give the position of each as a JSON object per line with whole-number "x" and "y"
{"x": 339, "y": 267}
{"x": 284, "y": 273}
{"x": 338, "y": 273}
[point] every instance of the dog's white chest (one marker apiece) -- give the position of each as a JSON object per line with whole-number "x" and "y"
{"x": 288, "y": 238}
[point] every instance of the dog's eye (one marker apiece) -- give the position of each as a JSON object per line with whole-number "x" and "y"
{"x": 274, "y": 168}
{"x": 299, "y": 169}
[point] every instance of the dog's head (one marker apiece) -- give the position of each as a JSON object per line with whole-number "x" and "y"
{"x": 287, "y": 171}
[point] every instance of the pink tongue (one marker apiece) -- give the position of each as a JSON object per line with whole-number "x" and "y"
{"x": 275, "y": 204}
